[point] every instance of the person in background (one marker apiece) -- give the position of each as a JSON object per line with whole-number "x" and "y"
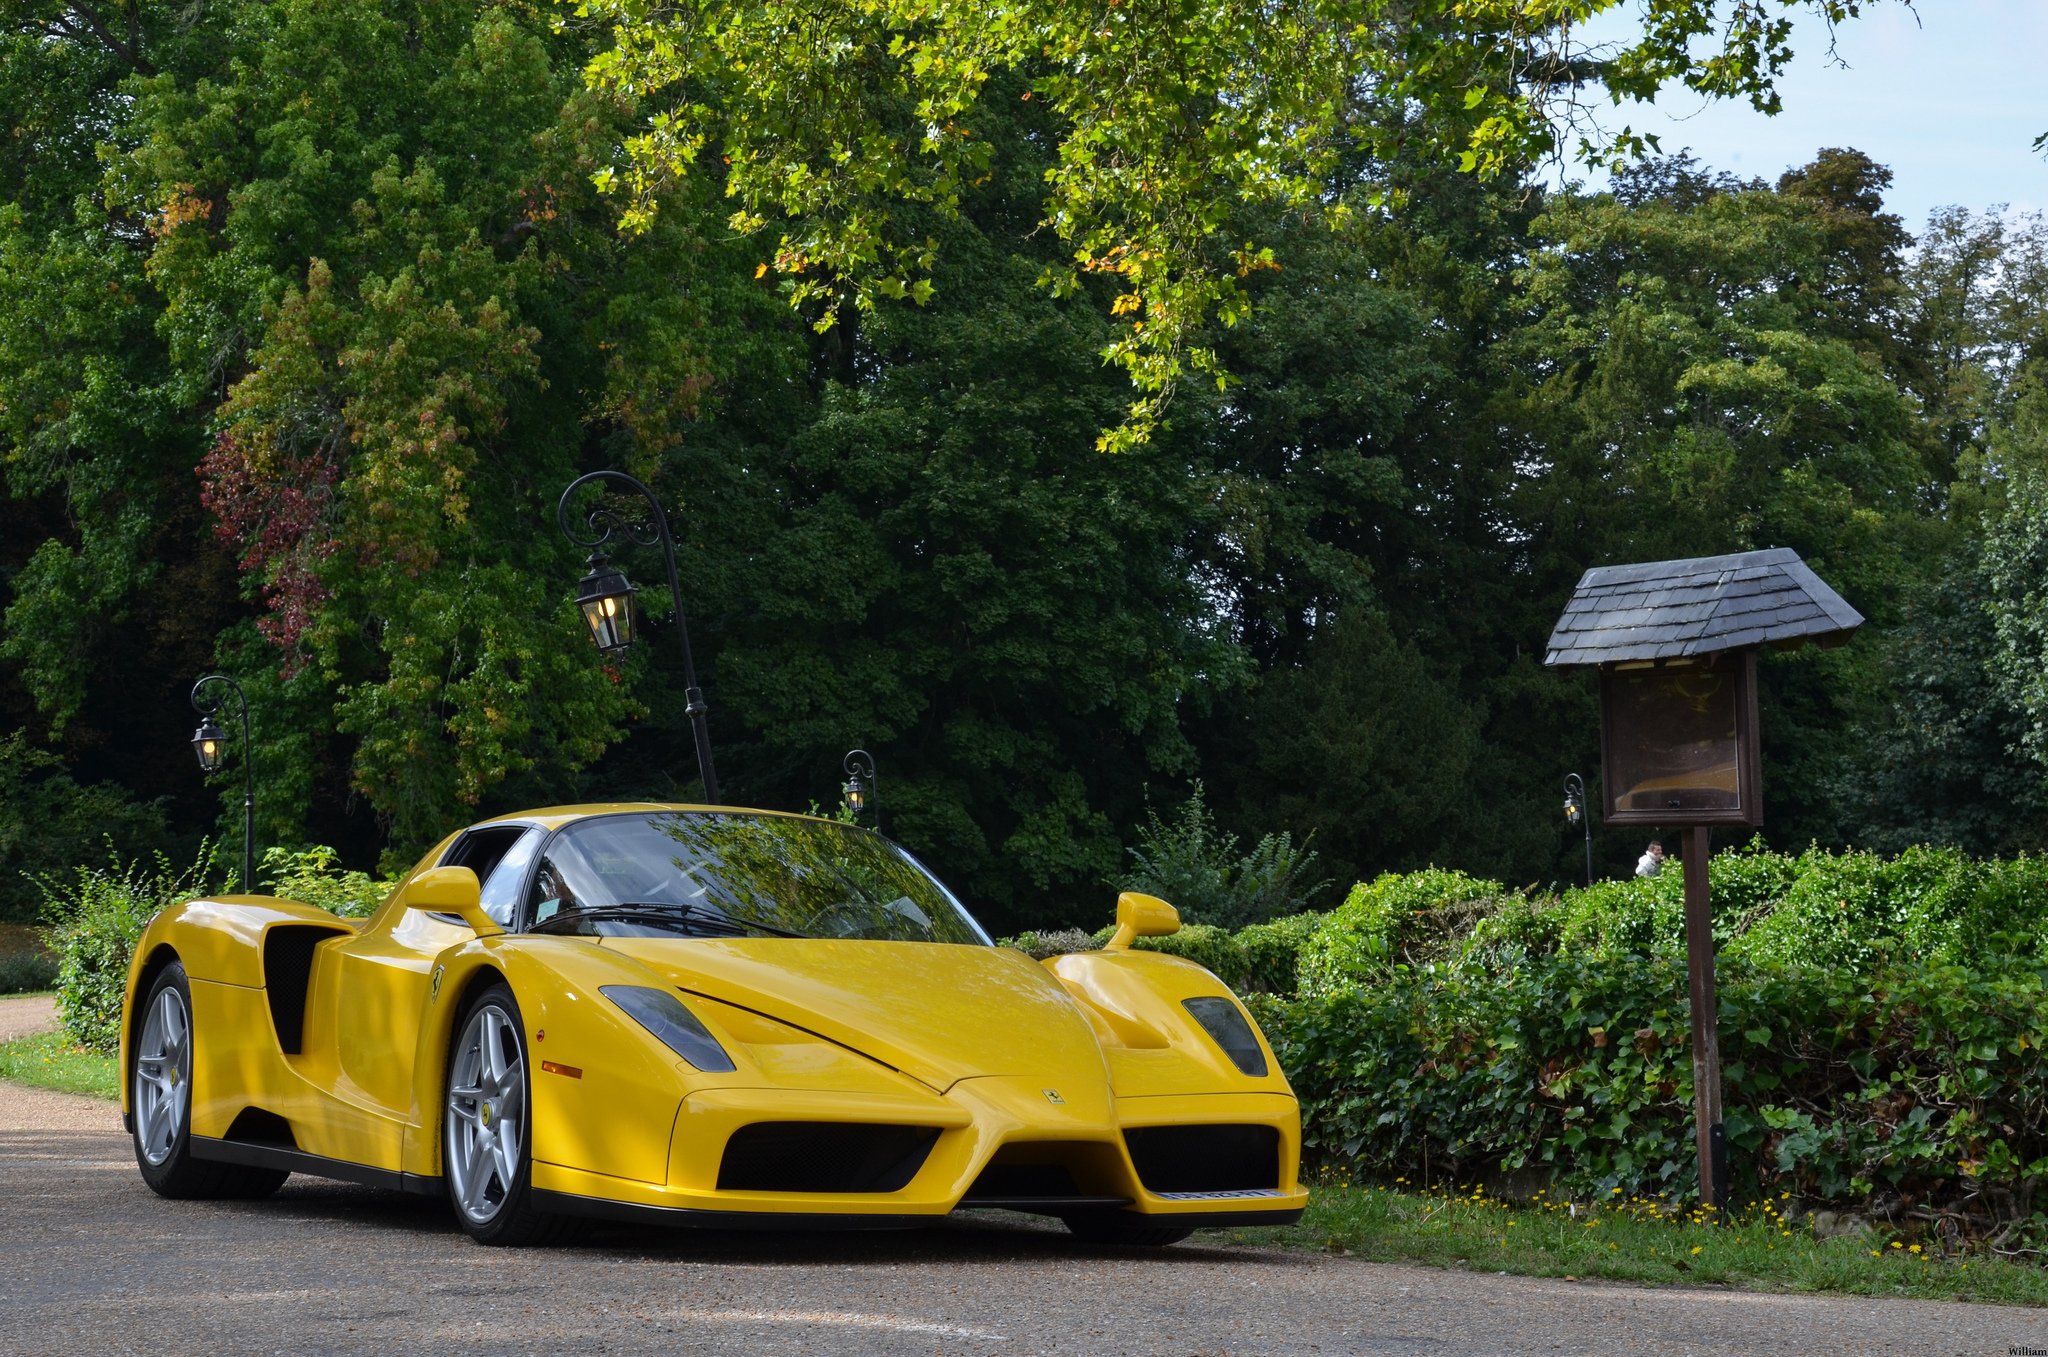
{"x": 1652, "y": 860}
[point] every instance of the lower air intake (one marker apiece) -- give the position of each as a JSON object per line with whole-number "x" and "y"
{"x": 823, "y": 1156}
{"x": 1205, "y": 1158}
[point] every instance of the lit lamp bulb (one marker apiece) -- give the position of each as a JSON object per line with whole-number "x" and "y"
{"x": 856, "y": 795}
{"x": 206, "y": 743}
{"x": 606, "y": 598}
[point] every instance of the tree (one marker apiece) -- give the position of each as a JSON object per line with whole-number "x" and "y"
{"x": 933, "y": 563}
{"x": 848, "y": 124}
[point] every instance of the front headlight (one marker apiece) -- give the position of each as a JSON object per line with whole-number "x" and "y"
{"x": 664, "y": 1015}
{"x": 1227, "y": 1027}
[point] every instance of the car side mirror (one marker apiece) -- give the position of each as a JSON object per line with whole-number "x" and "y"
{"x": 451, "y": 890}
{"x": 1141, "y": 916}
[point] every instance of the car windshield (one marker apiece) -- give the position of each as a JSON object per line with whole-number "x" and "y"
{"x": 720, "y": 874}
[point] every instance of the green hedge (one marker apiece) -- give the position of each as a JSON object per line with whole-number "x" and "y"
{"x": 1879, "y": 1022}
{"x": 1924, "y": 1082}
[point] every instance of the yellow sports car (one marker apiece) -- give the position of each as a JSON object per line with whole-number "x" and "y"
{"x": 700, "y": 1016}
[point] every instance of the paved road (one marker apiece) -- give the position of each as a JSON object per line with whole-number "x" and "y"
{"x": 91, "y": 1262}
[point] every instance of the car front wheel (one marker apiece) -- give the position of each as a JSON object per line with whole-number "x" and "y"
{"x": 486, "y": 1142}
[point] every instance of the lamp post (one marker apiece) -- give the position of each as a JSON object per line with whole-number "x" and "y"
{"x": 208, "y": 743}
{"x": 1575, "y": 814}
{"x": 606, "y": 596}
{"x": 861, "y": 783}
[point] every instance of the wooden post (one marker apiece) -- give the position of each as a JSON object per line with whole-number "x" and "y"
{"x": 1706, "y": 1041}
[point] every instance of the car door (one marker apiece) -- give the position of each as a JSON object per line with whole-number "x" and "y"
{"x": 368, "y": 995}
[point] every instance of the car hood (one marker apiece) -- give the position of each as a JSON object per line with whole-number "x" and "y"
{"x": 939, "y": 1012}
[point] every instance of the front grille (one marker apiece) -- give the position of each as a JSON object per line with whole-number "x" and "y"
{"x": 1205, "y": 1158}
{"x": 1018, "y": 1182}
{"x": 823, "y": 1156}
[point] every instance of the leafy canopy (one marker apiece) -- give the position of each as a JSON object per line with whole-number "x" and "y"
{"x": 835, "y": 120}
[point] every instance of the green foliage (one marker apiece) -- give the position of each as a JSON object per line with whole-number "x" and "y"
{"x": 1333, "y": 750}
{"x": 1052, "y": 942}
{"x": 1390, "y": 921}
{"x": 309, "y": 308}
{"x": 47, "y": 818}
{"x": 313, "y": 876}
{"x": 1195, "y": 867}
{"x": 1879, "y": 1023}
{"x": 853, "y": 131}
{"x": 96, "y": 916}
{"x": 1272, "y": 954}
{"x": 25, "y": 972}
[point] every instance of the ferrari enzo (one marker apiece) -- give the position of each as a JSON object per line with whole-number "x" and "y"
{"x": 702, "y": 1016}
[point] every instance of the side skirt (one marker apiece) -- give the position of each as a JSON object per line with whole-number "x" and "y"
{"x": 313, "y": 1165}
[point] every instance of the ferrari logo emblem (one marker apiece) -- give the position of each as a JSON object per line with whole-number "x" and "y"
{"x": 434, "y": 984}
{"x": 1052, "y": 1095}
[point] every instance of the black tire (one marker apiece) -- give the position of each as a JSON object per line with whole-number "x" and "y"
{"x": 1121, "y": 1227}
{"x": 488, "y": 1180}
{"x": 160, "y": 1100}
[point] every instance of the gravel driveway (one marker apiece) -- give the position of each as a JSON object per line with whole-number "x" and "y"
{"x": 92, "y": 1262}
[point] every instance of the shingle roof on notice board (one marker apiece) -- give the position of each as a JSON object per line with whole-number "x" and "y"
{"x": 1664, "y": 610}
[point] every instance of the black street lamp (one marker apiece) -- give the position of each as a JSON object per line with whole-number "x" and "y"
{"x": 1575, "y": 814}
{"x": 861, "y": 783}
{"x": 208, "y": 743}
{"x": 606, "y": 595}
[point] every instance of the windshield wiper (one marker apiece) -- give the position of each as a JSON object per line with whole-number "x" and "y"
{"x": 693, "y": 918}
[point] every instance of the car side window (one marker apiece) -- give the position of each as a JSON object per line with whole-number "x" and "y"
{"x": 501, "y": 887}
{"x": 499, "y": 855}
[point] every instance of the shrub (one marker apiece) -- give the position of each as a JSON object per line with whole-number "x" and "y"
{"x": 1194, "y": 866}
{"x": 1272, "y": 953}
{"x": 1393, "y": 919}
{"x": 1879, "y": 1019}
{"x": 1927, "y": 1087}
{"x": 23, "y": 972}
{"x": 311, "y": 876}
{"x": 96, "y": 919}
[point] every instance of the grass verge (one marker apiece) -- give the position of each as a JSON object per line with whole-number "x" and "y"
{"x": 1640, "y": 1241}
{"x": 47, "y": 1060}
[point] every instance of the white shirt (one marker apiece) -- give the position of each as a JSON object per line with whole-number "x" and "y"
{"x": 1649, "y": 864}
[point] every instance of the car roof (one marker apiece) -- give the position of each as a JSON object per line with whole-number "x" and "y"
{"x": 554, "y": 817}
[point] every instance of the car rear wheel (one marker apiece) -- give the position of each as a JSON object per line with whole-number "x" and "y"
{"x": 160, "y": 1102}
{"x": 486, "y": 1146}
{"x": 1120, "y": 1227}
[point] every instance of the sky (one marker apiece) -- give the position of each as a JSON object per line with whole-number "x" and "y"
{"x": 1949, "y": 97}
